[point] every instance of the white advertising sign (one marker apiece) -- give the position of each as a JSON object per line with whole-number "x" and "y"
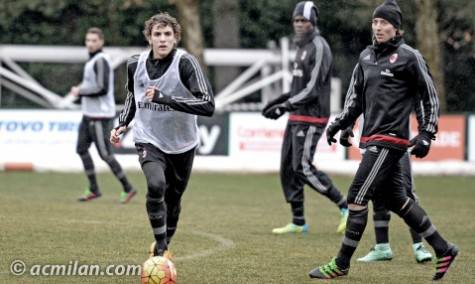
{"x": 471, "y": 138}
{"x": 40, "y": 137}
{"x": 258, "y": 140}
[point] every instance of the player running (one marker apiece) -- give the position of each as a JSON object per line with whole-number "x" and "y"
{"x": 166, "y": 91}
{"x": 96, "y": 94}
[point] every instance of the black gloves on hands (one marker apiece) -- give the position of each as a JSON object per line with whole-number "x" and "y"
{"x": 345, "y": 136}
{"x": 421, "y": 144}
{"x": 160, "y": 98}
{"x": 276, "y": 111}
{"x": 332, "y": 130}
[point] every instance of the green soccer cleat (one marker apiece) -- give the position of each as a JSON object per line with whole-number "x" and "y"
{"x": 290, "y": 228}
{"x": 125, "y": 197}
{"x": 328, "y": 271}
{"x": 343, "y": 218}
{"x": 89, "y": 195}
{"x": 421, "y": 253}
{"x": 380, "y": 252}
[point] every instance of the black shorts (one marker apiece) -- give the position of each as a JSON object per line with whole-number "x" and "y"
{"x": 380, "y": 174}
{"x": 97, "y": 131}
{"x": 172, "y": 170}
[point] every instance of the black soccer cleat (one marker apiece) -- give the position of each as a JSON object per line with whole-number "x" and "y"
{"x": 443, "y": 263}
{"x": 89, "y": 195}
{"x": 328, "y": 271}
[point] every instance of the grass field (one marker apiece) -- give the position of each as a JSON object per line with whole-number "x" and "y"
{"x": 224, "y": 232}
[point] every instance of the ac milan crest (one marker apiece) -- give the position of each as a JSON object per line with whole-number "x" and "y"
{"x": 393, "y": 58}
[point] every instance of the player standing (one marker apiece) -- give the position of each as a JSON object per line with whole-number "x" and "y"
{"x": 309, "y": 105}
{"x": 384, "y": 85}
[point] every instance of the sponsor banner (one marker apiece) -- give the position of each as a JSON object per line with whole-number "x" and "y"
{"x": 253, "y": 137}
{"x": 49, "y": 135}
{"x": 471, "y": 138}
{"x": 30, "y": 134}
{"x": 214, "y": 134}
{"x": 449, "y": 143}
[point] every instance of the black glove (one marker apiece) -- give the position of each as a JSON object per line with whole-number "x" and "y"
{"x": 332, "y": 130}
{"x": 276, "y": 111}
{"x": 160, "y": 98}
{"x": 281, "y": 99}
{"x": 345, "y": 136}
{"x": 267, "y": 107}
{"x": 421, "y": 144}
{"x": 77, "y": 100}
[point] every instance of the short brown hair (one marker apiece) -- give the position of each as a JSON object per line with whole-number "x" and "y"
{"x": 97, "y": 31}
{"x": 162, "y": 19}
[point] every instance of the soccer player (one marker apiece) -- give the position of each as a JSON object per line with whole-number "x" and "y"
{"x": 384, "y": 85}
{"x": 166, "y": 91}
{"x": 309, "y": 105}
{"x": 96, "y": 94}
{"x": 381, "y": 216}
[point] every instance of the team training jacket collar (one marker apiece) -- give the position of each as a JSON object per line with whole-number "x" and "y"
{"x": 387, "y": 47}
{"x": 92, "y": 54}
{"x": 301, "y": 40}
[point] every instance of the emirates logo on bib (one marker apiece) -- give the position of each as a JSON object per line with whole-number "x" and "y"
{"x": 393, "y": 58}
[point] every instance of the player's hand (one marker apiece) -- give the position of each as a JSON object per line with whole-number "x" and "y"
{"x": 345, "y": 136}
{"x": 150, "y": 93}
{"x": 267, "y": 107}
{"x": 154, "y": 95}
{"x": 332, "y": 130}
{"x": 74, "y": 91}
{"x": 276, "y": 111}
{"x": 115, "y": 134}
{"x": 421, "y": 144}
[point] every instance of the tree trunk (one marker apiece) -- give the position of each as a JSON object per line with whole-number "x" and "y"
{"x": 428, "y": 42}
{"x": 226, "y": 35}
{"x": 189, "y": 18}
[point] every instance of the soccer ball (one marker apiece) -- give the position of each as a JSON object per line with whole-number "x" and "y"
{"x": 158, "y": 270}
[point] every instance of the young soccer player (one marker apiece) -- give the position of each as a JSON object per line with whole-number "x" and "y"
{"x": 167, "y": 89}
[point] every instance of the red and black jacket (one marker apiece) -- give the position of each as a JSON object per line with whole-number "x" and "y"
{"x": 386, "y": 82}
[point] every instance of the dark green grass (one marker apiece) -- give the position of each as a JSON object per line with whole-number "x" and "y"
{"x": 41, "y": 223}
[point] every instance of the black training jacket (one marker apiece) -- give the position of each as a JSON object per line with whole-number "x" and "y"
{"x": 309, "y": 97}
{"x": 386, "y": 83}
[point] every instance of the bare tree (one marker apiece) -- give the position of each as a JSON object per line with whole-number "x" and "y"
{"x": 428, "y": 42}
{"x": 189, "y": 17}
{"x": 226, "y": 35}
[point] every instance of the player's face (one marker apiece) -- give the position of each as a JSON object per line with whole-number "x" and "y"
{"x": 162, "y": 40}
{"x": 301, "y": 25}
{"x": 383, "y": 30}
{"x": 93, "y": 42}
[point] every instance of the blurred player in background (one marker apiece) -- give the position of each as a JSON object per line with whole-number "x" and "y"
{"x": 388, "y": 78}
{"x": 96, "y": 94}
{"x": 166, "y": 91}
{"x": 309, "y": 105}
